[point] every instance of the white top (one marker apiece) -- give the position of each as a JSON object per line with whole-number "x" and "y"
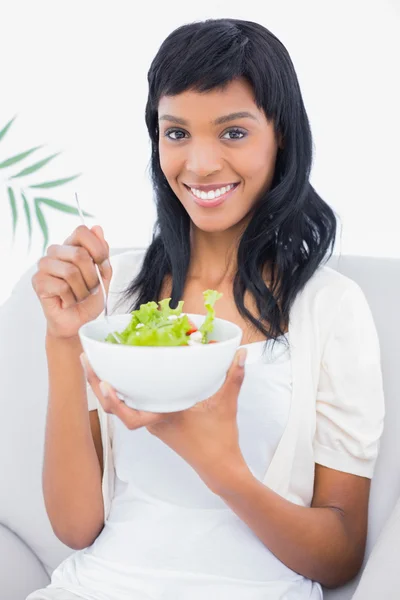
{"x": 324, "y": 404}
{"x": 337, "y": 408}
{"x": 165, "y": 524}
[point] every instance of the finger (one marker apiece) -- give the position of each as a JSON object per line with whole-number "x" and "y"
{"x": 98, "y": 230}
{"x": 80, "y": 257}
{"x": 105, "y": 266}
{"x": 132, "y": 419}
{"x": 97, "y": 248}
{"x": 48, "y": 287}
{"x": 93, "y": 381}
{"x": 67, "y": 271}
{"x": 90, "y": 374}
{"x": 235, "y": 376}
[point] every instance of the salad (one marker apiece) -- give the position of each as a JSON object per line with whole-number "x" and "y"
{"x": 160, "y": 325}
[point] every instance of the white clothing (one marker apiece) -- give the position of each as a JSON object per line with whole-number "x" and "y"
{"x": 337, "y": 407}
{"x": 51, "y": 593}
{"x": 166, "y": 525}
{"x": 329, "y": 410}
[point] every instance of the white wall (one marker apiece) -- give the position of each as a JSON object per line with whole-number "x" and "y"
{"x": 75, "y": 72}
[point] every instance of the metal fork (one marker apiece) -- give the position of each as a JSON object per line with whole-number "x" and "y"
{"x": 103, "y": 289}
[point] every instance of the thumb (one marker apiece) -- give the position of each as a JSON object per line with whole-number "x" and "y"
{"x": 235, "y": 376}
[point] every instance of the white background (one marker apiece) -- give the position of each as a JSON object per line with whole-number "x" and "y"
{"x": 75, "y": 73}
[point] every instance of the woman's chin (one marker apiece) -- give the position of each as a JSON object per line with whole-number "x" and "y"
{"x": 208, "y": 223}
{"x": 214, "y": 225}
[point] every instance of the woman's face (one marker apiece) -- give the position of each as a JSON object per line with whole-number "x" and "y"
{"x": 217, "y": 152}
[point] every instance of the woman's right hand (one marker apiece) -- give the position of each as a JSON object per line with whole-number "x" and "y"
{"x": 67, "y": 284}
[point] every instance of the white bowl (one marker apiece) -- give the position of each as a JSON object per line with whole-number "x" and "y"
{"x": 160, "y": 378}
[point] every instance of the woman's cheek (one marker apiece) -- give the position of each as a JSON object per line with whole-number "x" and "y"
{"x": 170, "y": 166}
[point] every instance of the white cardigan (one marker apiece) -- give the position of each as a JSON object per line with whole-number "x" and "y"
{"x": 337, "y": 408}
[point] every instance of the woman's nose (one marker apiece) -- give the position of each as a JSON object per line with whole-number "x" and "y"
{"x": 203, "y": 159}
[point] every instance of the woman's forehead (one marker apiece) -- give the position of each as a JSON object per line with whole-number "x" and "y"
{"x": 236, "y": 97}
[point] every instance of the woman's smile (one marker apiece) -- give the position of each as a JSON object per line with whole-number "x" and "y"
{"x": 212, "y": 143}
{"x": 210, "y": 195}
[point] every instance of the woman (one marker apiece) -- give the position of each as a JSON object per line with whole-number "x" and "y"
{"x": 260, "y": 492}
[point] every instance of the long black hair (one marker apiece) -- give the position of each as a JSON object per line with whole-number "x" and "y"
{"x": 291, "y": 229}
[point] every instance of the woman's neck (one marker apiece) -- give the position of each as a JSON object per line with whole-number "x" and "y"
{"x": 213, "y": 256}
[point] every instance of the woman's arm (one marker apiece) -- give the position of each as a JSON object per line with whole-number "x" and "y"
{"x": 67, "y": 287}
{"x": 326, "y": 542}
{"x": 71, "y": 470}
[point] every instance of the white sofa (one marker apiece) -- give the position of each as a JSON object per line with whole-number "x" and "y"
{"x": 29, "y": 551}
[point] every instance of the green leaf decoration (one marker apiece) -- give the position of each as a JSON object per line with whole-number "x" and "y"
{"x": 35, "y": 167}
{"x": 14, "y": 211}
{"x": 52, "y": 184}
{"x": 33, "y": 209}
{"x": 18, "y": 157}
{"x": 42, "y": 224}
{"x": 28, "y": 217}
{"x": 61, "y": 206}
{"x": 6, "y": 128}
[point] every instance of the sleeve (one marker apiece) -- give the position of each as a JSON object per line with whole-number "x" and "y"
{"x": 350, "y": 400}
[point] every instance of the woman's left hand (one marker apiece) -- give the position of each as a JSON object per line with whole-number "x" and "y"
{"x": 205, "y": 436}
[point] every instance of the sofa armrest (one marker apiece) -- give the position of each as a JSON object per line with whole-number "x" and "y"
{"x": 20, "y": 570}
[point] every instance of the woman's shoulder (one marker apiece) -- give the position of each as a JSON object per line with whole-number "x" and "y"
{"x": 329, "y": 285}
{"x": 332, "y": 306}
{"x": 331, "y": 299}
{"x": 335, "y": 303}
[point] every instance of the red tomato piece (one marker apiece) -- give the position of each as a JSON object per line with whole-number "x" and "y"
{"x": 192, "y": 329}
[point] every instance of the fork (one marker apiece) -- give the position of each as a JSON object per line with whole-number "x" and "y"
{"x": 103, "y": 289}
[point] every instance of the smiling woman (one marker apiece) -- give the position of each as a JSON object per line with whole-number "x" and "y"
{"x": 259, "y": 492}
{"x": 217, "y": 160}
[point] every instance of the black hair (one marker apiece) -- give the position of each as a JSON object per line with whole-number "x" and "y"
{"x": 291, "y": 229}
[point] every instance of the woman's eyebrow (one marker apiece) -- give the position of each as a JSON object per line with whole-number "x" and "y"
{"x": 219, "y": 121}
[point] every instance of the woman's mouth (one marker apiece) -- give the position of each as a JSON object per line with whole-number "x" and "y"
{"x": 213, "y": 197}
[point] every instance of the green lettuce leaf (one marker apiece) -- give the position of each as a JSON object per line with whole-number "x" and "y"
{"x": 210, "y": 298}
{"x": 152, "y": 325}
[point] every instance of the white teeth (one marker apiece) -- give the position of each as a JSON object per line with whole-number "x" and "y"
{"x": 212, "y": 194}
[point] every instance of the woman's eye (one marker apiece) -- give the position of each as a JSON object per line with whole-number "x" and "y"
{"x": 175, "y": 134}
{"x": 234, "y": 134}
{"x": 180, "y": 134}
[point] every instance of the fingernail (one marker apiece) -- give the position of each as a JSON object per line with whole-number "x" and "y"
{"x": 241, "y": 359}
{"x": 104, "y": 389}
{"x": 83, "y": 363}
{"x": 105, "y": 264}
